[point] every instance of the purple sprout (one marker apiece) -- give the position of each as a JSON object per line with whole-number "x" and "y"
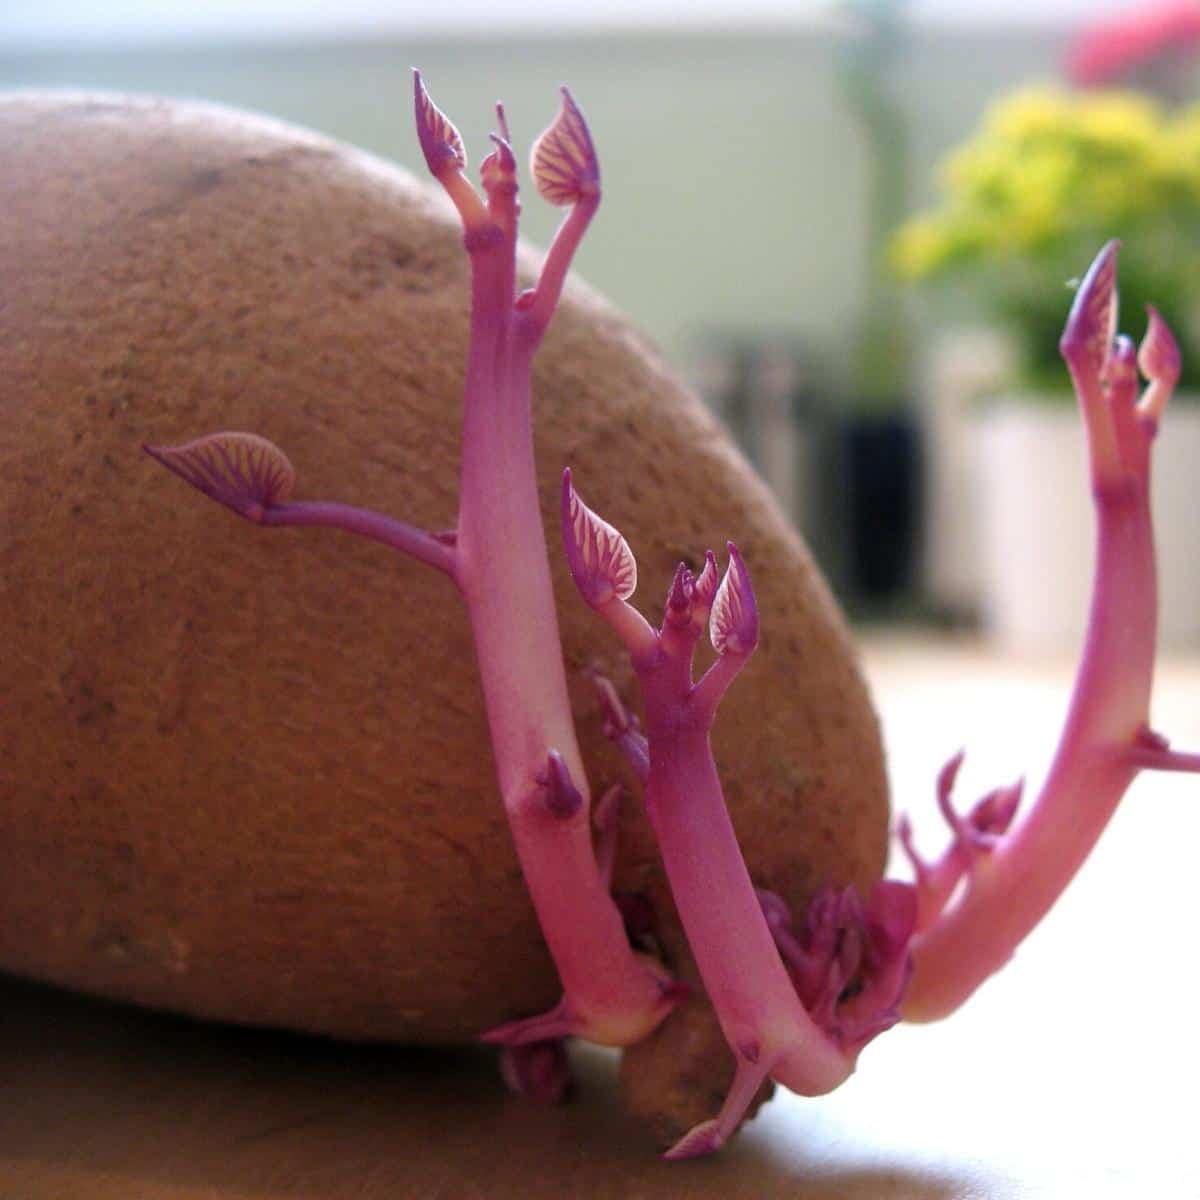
{"x": 496, "y": 556}
{"x": 799, "y": 1007}
{"x": 796, "y": 1001}
{"x": 994, "y": 885}
{"x": 801, "y": 1021}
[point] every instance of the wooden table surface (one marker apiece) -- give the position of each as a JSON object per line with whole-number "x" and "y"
{"x": 1072, "y": 1075}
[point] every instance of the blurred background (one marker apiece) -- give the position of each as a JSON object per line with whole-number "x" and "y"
{"x": 853, "y": 226}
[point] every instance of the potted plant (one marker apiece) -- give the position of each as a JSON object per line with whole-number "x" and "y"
{"x": 1048, "y": 174}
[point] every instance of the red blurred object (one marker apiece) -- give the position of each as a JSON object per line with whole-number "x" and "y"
{"x": 1133, "y": 43}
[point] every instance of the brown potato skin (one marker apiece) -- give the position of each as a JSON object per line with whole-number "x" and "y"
{"x": 245, "y": 774}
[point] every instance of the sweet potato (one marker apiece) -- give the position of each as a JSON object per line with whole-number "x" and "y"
{"x": 246, "y": 775}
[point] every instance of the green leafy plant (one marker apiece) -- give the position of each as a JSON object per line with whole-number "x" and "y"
{"x": 1048, "y": 175}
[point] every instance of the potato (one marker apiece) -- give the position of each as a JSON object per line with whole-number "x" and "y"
{"x": 246, "y": 773}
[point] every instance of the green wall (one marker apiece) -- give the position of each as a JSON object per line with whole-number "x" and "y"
{"x": 733, "y": 177}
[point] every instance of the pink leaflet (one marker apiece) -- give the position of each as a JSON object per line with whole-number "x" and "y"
{"x": 1158, "y": 355}
{"x": 1092, "y": 323}
{"x": 733, "y": 625}
{"x": 499, "y": 168}
{"x": 563, "y": 161}
{"x": 440, "y": 142}
{"x": 706, "y": 582}
{"x": 243, "y": 471}
{"x": 559, "y": 793}
{"x": 600, "y": 559}
{"x": 1158, "y": 360}
{"x": 849, "y": 962}
{"x": 680, "y": 597}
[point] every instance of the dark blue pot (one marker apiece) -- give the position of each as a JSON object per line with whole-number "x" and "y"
{"x": 872, "y": 507}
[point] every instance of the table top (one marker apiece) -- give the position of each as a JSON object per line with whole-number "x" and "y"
{"x": 1072, "y": 1074}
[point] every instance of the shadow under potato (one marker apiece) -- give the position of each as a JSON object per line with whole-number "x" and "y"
{"x": 103, "y": 1102}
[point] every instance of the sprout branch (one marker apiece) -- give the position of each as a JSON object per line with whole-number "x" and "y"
{"x": 801, "y": 1022}
{"x": 994, "y": 884}
{"x": 496, "y": 554}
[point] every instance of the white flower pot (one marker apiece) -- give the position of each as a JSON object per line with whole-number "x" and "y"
{"x": 1036, "y": 525}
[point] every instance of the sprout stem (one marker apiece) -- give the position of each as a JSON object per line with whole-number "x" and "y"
{"x": 1105, "y": 739}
